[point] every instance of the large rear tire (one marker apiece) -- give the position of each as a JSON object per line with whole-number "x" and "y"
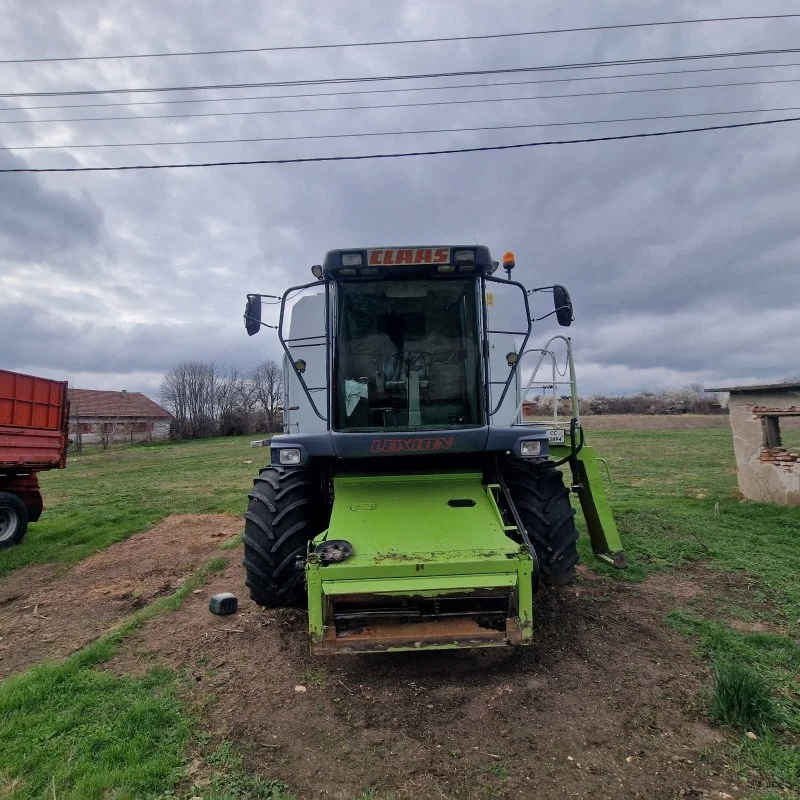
{"x": 13, "y": 519}
{"x": 542, "y": 501}
{"x": 278, "y": 526}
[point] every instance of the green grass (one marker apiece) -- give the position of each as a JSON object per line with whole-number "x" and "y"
{"x": 71, "y": 730}
{"x": 103, "y": 497}
{"x": 676, "y": 501}
{"x": 741, "y": 699}
{"x": 755, "y": 689}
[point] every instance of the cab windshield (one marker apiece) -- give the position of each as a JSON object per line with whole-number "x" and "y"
{"x": 407, "y": 355}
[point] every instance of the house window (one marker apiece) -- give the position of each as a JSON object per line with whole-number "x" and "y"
{"x": 775, "y": 447}
{"x": 771, "y": 431}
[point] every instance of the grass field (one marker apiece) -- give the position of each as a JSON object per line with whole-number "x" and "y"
{"x": 675, "y": 498}
{"x": 104, "y": 496}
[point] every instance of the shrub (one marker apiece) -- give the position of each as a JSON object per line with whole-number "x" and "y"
{"x": 741, "y": 698}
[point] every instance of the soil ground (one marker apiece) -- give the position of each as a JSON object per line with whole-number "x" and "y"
{"x": 47, "y": 613}
{"x": 603, "y": 705}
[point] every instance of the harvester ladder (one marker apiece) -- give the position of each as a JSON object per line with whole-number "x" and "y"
{"x": 552, "y": 384}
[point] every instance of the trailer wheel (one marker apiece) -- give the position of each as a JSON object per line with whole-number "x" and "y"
{"x": 542, "y": 501}
{"x": 278, "y": 526}
{"x": 13, "y": 519}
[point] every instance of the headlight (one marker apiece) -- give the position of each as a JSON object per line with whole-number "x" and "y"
{"x": 289, "y": 456}
{"x": 529, "y": 448}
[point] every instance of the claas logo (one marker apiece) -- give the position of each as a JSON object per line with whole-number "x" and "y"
{"x": 409, "y": 255}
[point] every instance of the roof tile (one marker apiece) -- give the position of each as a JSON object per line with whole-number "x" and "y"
{"x": 95, "y": 403}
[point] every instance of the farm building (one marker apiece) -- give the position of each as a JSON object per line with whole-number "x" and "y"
{"x": 104, "y": 417}
{"x": 767, "y": 457}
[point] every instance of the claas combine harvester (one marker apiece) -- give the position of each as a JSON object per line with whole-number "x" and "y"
{"x": 408, "y": 503}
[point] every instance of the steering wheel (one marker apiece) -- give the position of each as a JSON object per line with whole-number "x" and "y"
{"x": 416, "y": 359}
{"x": 399, "y": 363}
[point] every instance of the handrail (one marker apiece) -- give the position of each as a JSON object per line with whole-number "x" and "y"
{"x": 543, "y": 353}
{"x": 324, "y": 336}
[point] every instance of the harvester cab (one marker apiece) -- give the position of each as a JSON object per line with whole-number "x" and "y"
{"x": 410, "y": 502}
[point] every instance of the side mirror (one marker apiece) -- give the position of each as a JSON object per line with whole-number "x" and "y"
{"x": 563, "y": 304}
{"x": 252, "y": 314}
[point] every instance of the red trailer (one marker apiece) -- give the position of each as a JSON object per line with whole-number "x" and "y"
{"x": 34, "y": 427}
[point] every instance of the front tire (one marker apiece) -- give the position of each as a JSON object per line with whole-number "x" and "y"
{"x": 542, "y": 501}
{"x": 278, "y": 527}
{"x": 13, "y": 519}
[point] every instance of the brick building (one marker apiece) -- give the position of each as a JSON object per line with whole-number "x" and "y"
{"x": 104, "y": 417}
{"x": 768, "y": 467}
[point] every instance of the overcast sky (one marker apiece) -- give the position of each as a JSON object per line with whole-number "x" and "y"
{"x": 681, "y": 253}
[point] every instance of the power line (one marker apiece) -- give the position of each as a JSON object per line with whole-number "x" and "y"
{"x": 284, "y": 48}
{"x": 373, "y": 156}
{"x": 412, "y": 89}
{"x": 423, "y": 76}
{"x": 404, "y": 133}
{"x": 399, "y": 105}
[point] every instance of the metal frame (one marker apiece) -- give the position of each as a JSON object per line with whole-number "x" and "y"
{"x": 490, "y": 412}
{"x": 554, "y": 383}
{"x": 325, "y": 343}
{"x": 312, "y": 341}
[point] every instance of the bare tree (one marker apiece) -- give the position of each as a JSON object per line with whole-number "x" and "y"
{"x": 234, "y": 403}
{"x": 267, "y": 383}
{"x": 107, "y": 427}
{"x": 191, "y": 392}
{"x": 75, "y": 413}
{"x": 206, "y": 399}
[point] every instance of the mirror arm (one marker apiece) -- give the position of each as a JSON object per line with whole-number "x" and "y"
{"x": 246, "y": 317}
{"x": 555, "y": 311}
{"x": 269, "y": 296}
{"x": 541, "y": 289}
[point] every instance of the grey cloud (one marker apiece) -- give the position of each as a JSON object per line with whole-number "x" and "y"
{"x": 38, "y": 222}
{"x": 680, "y": 252}
{"x": 101, "y": 346}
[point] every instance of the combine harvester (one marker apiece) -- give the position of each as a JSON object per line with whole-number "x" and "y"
{"x": 407, "y": 503}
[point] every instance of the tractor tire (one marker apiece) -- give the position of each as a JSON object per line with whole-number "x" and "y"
{"x": 278, "y": 527}
{"x": 13, "y": 519}
{"x": 542, "y": 501}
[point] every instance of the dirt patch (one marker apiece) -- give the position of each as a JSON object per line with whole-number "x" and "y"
{"x": 733, "y": 598}
{"x": 47, "y": 613}
{"x": 603, "y": 705}
{"x": 670, "y": 585}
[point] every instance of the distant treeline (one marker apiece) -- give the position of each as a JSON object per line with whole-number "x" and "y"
{"x": 207, "y": 399}
{"x": 690, "y": 400}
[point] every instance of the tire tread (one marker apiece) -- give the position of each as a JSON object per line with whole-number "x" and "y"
{"x": 542, "y": 501}
{"x": 278, "y": 527}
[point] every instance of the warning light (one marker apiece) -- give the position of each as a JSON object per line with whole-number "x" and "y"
{"x": 509, "y": 262}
